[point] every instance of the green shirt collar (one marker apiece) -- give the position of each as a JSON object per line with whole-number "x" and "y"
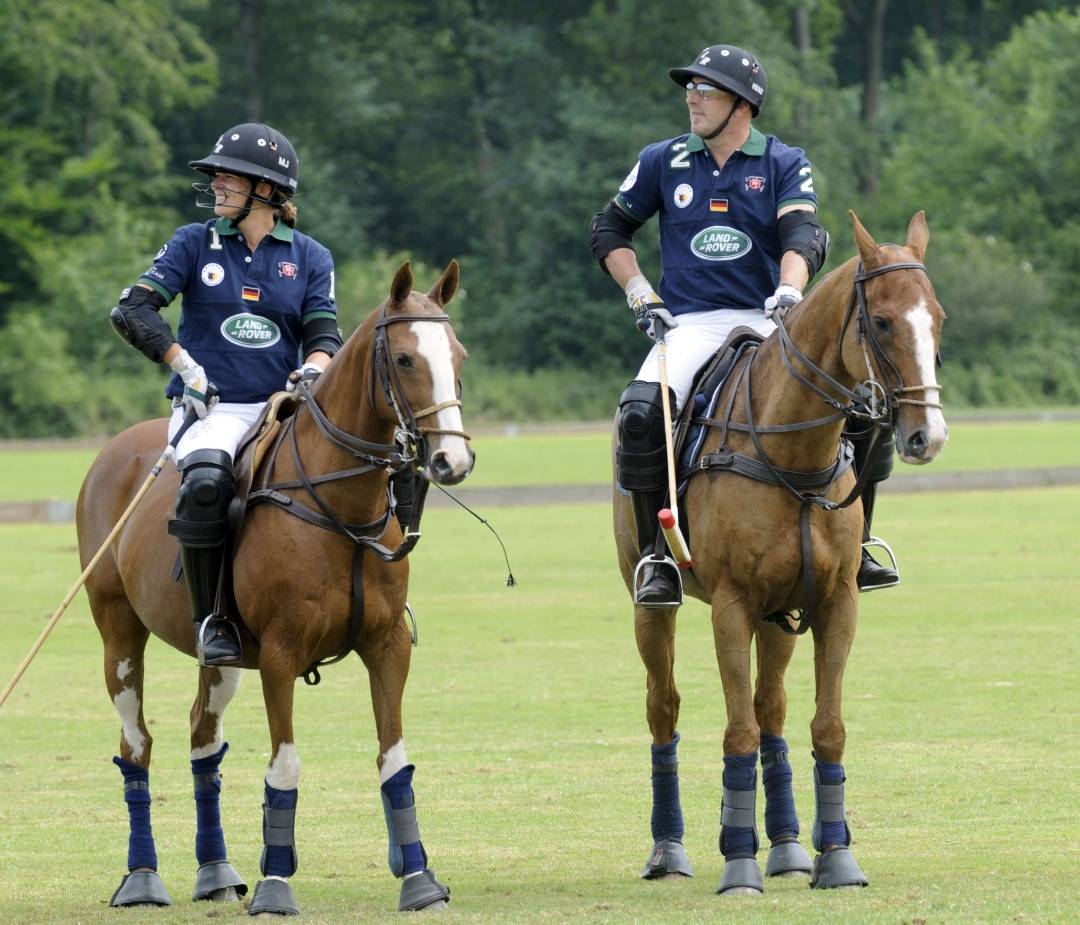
{"x": 281, "y": 231}
{"x": 754, "y": 146}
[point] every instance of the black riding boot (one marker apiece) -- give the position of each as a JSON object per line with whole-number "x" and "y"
{"x": 872, "y": 574}
{"x": 403, "y": 484}
{"x": 641, "y": 468}
{"x": 201, "y": 526}
{"x": 659, "y": 584}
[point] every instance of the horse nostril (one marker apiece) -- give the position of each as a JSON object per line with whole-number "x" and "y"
{"x": 440, "y": 466}
{"x": 917, "y": 443}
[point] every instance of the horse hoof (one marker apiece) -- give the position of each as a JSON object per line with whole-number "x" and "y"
{"x": 141, "y": 888}
{"x": 423, "y": 891}
{"x": 788, "y": 859}
{"x": 837, "y": 867}
{"x": 667, "y": 859}
{"x": 741, "y": 877}
{"x": 274, "y": 897}
{"x": 218, "y": 882}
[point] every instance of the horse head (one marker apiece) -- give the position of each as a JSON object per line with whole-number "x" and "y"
{"x": 891, "y": 341}
{"x": 418, "y": 366}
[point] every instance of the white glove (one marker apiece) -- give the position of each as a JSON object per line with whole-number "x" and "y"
{"x": 198, "y": 392}
{"x": 308, "y": 373}
{"x": 651, "y": 314}
{"x": 782, "y": 301}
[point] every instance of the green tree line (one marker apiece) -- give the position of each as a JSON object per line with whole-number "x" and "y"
{"x": 491, "y": 132}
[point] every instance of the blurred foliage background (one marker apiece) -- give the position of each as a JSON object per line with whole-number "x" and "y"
{"x": 491, "y": 132}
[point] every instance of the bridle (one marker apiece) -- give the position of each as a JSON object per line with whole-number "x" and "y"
{"x": 409, "y": 450}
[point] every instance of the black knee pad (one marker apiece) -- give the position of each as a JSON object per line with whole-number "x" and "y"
{"x": 202, "y": 504}
{"x": 880, "y": 462}
{"x": 640, "y": 459}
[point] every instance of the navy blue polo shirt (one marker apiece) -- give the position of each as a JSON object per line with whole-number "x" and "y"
{"x": 243, "y": 313}
{"x": 719, "y": 242}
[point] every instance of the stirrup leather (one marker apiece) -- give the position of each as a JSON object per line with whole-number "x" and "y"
{"x": 659, "y": 562}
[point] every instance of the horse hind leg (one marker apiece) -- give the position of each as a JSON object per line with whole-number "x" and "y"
{"x": 834, "y": 632}
{"x": 654, "y": 631}
{"x": 786, "y": 856}
{"x": 387, "y": 661}
{"x": 125, "y": 639}
{"x": 216, "y": 879}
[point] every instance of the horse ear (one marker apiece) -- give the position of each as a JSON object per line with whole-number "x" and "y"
{"x": 443, "y": 291}
{"x": 918, "y": 235}
{"x": 402, "y": 284}
{"x": 868, "y": 249}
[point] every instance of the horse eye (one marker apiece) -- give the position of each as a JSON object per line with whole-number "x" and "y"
{"x": 881, "y": 324}
{"x": 403, "y": 360}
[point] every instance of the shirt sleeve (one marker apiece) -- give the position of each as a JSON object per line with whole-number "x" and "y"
{"x": 171, "y": 270}
{"x": 639, "y": 195}
{"x": 795, "y": 180}
{"x": 318, "y": 314}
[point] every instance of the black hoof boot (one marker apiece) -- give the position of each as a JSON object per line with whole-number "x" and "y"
{"x": 423, "y": 891}
{"x": 657, "y": 583}
{"x": 787, "y": 859}
{"x": 274, "y": 896}
{"x": 837, "y": 867}
{"x": 218, "y": 644}
{"x": 141, "y": 888}
{"x": 218, "y": 881}
{"x": 741, "y": 877}
{"x": 667, "y": 858}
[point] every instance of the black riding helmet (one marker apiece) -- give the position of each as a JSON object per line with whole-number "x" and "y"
{"x": 255, "y": 151}
{"x": 731, "y": 68}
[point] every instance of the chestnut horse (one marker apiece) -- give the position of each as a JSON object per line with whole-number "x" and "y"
{"x": 291, "y": 585}
{"x": 863, "y": 342}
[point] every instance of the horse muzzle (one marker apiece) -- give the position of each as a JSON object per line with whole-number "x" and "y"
{"x": 921, "y": 445}
{"x": 448, "y": 467}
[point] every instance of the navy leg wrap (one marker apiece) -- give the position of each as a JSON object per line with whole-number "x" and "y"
{"x": 738, "y": 827}
{"x": 830, "y": 827}
{"x": 407, "y": 853}
{"x": 780, "y": 818}
{"x": 279, "y": 817}
{"x": 141, "y": 851}
{"x": 667, "y": 817}
{"x": 209, "y": 835}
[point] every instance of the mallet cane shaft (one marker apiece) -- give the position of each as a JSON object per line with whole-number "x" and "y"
{"x": 669, "y": 517}
{"x": 143, "y": 489}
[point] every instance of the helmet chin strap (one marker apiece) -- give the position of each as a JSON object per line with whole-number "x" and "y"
{"x": 724, "y": 124}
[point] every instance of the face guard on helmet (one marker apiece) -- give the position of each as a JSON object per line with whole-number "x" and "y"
{"x": 255, "y": 151}
{"x": 731, "y": 68}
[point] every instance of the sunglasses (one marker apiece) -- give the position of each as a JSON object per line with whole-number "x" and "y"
{"x": 705, "y": 91}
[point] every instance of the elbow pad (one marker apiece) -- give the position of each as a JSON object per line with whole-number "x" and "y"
{"x": 611, "y": 229}
{"x": 137, "y": 321}
{"x": 800, "y": 231}
{"x": 321, "y": 334}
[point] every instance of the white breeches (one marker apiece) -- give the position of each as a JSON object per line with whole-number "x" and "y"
{"x": 690, "y": 345}
{"x": 222, "y": 429}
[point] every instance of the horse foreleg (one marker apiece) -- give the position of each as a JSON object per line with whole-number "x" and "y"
{"x": 125, "y": 641}
{"x": 834, "y": 631}
{"x": 786, "y": 855}
{"x": 281, "y": 786}
{"x": 655, "y": 633}
{"x": 216, "y": 878}
{"x": 387, "y": 660}
{"x": 733, "y": 628}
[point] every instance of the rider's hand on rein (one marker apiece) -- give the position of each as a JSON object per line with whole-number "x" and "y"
{"x": 782, "y": 301}
{"x": 307, "y": 373}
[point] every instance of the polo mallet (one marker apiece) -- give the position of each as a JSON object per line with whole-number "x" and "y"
{"x": 669, "y": 517}
{"x": 191, "y": 418}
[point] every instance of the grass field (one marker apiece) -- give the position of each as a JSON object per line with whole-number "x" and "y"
{"x": 581, "y": 458}
{"x": 525, "y": 718}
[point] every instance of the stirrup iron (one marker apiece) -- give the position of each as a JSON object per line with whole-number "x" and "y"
{"x": 659, "y": 562}
{"x": 208, "y": 625}
{"x": 878, "y": 543}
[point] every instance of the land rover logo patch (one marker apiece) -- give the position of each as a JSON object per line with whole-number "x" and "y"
{"x": 250, "y": 331}
{"x": 719, "y": 242}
